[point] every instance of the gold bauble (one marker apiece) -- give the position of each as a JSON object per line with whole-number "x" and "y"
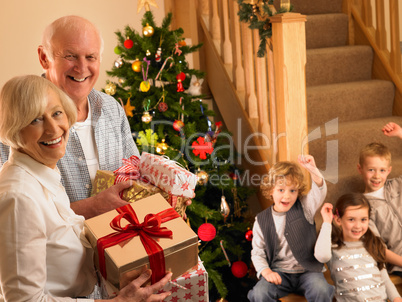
{"x": 136, "y": 66}
{"x": 148, "y": 31}
{"x": 145, "y": 86}
{"x": 146, "y": 118}
{"x": 202, "y": 177}
{"x": 110, "y": 89}
{"x": 161, "y": 147}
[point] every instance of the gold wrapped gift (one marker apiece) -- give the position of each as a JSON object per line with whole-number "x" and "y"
{"x": 139, "y": 190}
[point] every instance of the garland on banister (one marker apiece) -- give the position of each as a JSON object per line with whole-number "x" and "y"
{"x": 257, "y": 13}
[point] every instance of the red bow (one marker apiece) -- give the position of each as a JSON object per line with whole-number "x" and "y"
{"x": 150, "y": 227}
{"x": 130, "y": 169}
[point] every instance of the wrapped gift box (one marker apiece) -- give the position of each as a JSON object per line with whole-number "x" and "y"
{"x": 191, "y": 286}
{"x": 167, "y": 175}
{"x": 140, "y": 189}
{"x": 180, "y": 252}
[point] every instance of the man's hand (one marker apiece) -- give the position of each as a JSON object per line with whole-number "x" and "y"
{"x": 103, "y": 202}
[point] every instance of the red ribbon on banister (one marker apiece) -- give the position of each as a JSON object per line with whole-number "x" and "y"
{"x": 150, "y": 227}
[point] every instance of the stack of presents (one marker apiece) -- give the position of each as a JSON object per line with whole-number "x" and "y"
{"x": 150, "y": 231}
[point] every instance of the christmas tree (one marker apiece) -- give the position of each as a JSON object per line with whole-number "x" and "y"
{"x": 162, "y": 99}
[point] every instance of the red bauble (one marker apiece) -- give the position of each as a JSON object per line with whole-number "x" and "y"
{"x": 177, "y": 125}
{"x": 128, "y": 43}
{"x": 162, "y": 107}
{"x": 239, "y": 269}
{"x": 249, "y": 235}
{"x": 206, "y": 232}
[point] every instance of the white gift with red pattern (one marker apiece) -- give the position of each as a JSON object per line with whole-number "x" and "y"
{"x": 167, "y": 175}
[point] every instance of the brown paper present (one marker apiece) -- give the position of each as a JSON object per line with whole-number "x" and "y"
{"x": 140, "y": 189}
{"x": 180, "y": 252}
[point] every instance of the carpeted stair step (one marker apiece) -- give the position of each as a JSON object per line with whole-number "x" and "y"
{"x": 312, "y": 7}
{"x": 338, "y": 64}
{"x": 349, "y": 101}
{"x": 326, "y": 30}
{"x": 339, "y": 145}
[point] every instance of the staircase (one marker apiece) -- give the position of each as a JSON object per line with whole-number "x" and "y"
{"x": 346, "y": 106}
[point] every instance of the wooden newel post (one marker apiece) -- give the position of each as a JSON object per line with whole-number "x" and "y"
{"x": 289, "y": 52}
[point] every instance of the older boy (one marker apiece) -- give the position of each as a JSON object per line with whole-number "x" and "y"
{"x": 384, "y": 195}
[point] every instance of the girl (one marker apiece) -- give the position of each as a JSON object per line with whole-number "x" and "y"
{"x": 357, "y": 257}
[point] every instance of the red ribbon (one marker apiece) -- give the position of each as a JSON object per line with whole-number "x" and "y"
{"x": 130, "y": 169}
{"x": 150, "y": 227}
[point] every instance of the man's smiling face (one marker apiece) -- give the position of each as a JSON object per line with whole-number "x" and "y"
{"x": 76, "y": 61}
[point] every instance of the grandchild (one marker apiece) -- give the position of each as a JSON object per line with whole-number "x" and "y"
{"x": 356, "y": 258}
{"x": 284, "y": 236}
{"x": 384, "y": 195}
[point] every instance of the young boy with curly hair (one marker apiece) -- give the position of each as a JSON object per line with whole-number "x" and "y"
{"x": 284, "y": 235}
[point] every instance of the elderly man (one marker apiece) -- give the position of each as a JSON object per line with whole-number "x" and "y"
{"x": 70, "y": 54}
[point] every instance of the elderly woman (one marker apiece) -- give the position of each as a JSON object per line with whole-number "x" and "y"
{"x": 42, "y": 257}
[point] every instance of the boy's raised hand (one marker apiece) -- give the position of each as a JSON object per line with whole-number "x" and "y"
{"x": 391, "y": 129}
{"x": 308, "y": 162}
{"x": 326, "y": 212}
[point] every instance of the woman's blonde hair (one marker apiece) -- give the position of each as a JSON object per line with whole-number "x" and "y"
{"x": 24, "y": 98}
{"x": 283, "y": 172}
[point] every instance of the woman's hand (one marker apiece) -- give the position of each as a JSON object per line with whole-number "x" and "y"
{"x": 134, "y": 291}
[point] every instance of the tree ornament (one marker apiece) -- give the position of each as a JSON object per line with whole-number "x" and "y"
{"x": 177, "y": 125}
{"x": 222, "y": 300}
{"x": 249, "y": 235}
{"x": 117, "y": 50}
{"x": 158, "y": 55}
{"x": 201, "y": 148}
{"x": 148, "y": 53}
{"x": 118, "y": 63}
{"x": 121, "y": 81}
{"x": 128, "y": 43}
{"x": 202, "y": 177}
{"x": 180, "y": 78}
{"x": 162, "y": 107}
{"x": 195, "y": 86}
{"x": 110, "y": 89}
{"x": 163, "y": 66}
{"x": 136, "y": 66}
{"x": 239, "y": 269}
{"x": 162, "y": 147}
{"x": 145, "y": 85}
{"x": 146, "y": 3}
{"x": 146, "y": 138}
{"x": 128, "y": 109}
{"x": 225, "y": 209}
{"x": 146, "y": 117}
{"x": 148, "y": 31}
{"x": 177, "y": 49}
{"x": 182, "y": 42}
{"x": 206, "y": 232}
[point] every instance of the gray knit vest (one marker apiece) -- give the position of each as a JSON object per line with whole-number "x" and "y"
{"x": 300, "y": 235}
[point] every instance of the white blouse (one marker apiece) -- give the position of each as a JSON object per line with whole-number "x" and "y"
{"x": 41, "y": 257}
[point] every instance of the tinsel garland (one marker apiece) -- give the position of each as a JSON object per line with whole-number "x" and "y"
{"x": 251, "y": 14}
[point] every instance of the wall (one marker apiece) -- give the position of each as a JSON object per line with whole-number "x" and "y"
{"x": 23, "y": 21}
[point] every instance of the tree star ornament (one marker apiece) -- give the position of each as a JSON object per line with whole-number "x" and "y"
{"x": 128, "y": 109}
{"x": 146, "y": 3}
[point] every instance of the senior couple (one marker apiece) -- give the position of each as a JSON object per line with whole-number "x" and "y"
{"x": 57, "y": 131}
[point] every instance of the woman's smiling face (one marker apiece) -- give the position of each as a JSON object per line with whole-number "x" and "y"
{"x": 45, "y": 138}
